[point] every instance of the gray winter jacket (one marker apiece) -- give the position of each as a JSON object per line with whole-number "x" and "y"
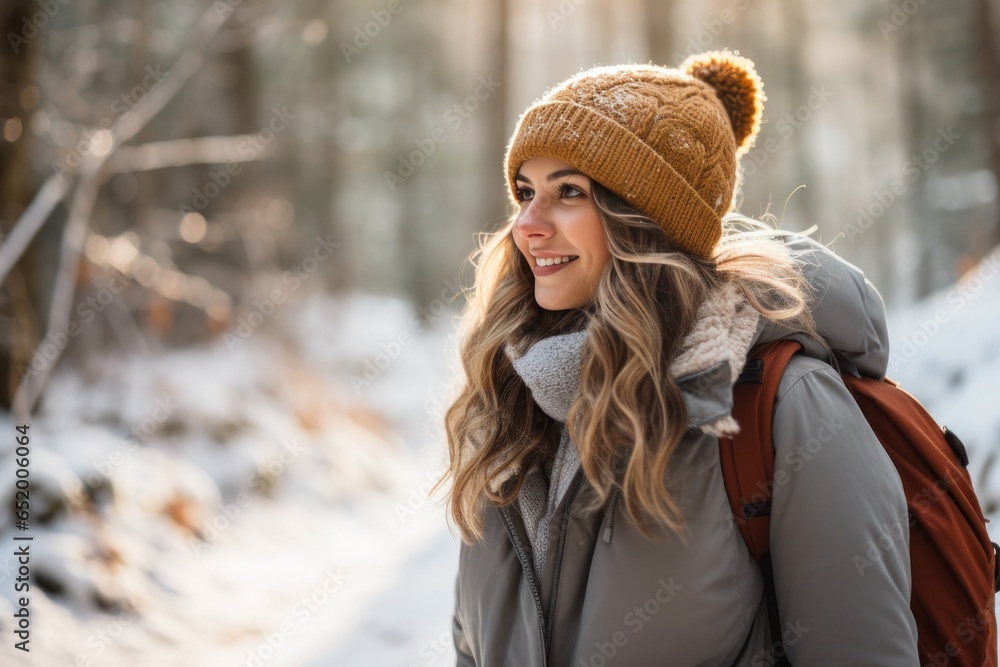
{"x": 839, "y": 530}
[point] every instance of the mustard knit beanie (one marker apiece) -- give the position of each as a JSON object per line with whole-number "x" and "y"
{"x": 665, "y": 140}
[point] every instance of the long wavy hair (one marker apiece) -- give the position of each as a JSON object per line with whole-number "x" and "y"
{"x": 629, "y": 414}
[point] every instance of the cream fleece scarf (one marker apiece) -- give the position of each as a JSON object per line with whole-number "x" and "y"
{"x": 723, "y": 332}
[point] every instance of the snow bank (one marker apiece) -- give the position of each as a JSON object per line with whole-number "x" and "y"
{"x": 945, "y": 350}
{"x": 234, "y": 504}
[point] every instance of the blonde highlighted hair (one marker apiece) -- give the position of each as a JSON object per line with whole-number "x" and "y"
{"x": 629, "y": 414}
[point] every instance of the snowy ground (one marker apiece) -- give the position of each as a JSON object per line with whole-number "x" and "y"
{"x": 268, "y": 511}
{"x": 264, "y": 511}
{"x": 945, "y": 350}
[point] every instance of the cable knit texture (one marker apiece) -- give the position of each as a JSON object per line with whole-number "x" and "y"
{"x": 723, "y": 331}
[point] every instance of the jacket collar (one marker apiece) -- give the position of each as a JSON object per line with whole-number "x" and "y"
{"x": 712, "y": 356}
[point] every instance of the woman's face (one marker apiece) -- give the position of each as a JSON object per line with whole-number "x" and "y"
{"x": 559, "y": 219}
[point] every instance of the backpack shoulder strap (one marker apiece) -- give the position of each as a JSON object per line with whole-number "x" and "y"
{"x": 747, "y": 461}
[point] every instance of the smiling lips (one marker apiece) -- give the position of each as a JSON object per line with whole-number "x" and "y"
{"x": 549, "y": 269}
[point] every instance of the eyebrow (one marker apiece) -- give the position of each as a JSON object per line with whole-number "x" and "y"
{"x": 551, "y": 177}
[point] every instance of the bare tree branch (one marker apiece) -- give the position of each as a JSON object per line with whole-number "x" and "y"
{"x": 52, "y": 193}
{"x": 85, "y": 196}
{"x": 184, "y": 152}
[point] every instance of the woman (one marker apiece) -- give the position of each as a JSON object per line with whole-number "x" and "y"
{"x": 609, "y": 320}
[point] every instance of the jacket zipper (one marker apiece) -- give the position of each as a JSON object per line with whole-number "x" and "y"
{"x": 529, "y": 572}
{"x": 528, "y": 566}
{"x": 609, "y": 524}
{"x": 570, "y": 495}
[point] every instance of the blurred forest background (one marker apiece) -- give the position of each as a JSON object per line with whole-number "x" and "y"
{"x": 136, "y": 109}
{"x": 173, "y": 173}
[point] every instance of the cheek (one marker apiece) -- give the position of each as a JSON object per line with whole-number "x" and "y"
{"x": 598, "y": 264}
{"x": 597, "y": 244}
{"x": 520, "y": 244}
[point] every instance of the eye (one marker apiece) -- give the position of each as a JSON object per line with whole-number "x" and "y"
{"x": 566, "y": 190}
{"x": 522, "y": 193}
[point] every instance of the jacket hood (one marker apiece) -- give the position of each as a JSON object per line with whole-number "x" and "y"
{"x": 848, "y": 311}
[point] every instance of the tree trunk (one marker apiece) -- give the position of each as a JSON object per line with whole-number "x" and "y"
{"x": 797, "y": 35}
{"x": 21, "y": 294}
{"x": 989, "y": 71}
{"x": 659, "y": 20}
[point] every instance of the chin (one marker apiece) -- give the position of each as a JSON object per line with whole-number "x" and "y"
{"x": 556, "y": 303}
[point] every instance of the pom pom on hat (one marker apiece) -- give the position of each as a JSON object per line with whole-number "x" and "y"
{"x": 738, "y": 87}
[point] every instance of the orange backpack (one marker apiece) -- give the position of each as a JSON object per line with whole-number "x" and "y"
{"x": 954, "y": 564}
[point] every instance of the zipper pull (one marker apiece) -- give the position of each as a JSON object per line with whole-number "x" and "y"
{"x": 610, "y": 514}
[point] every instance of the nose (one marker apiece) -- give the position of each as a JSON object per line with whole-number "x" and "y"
{"x": 533, "y": 221}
